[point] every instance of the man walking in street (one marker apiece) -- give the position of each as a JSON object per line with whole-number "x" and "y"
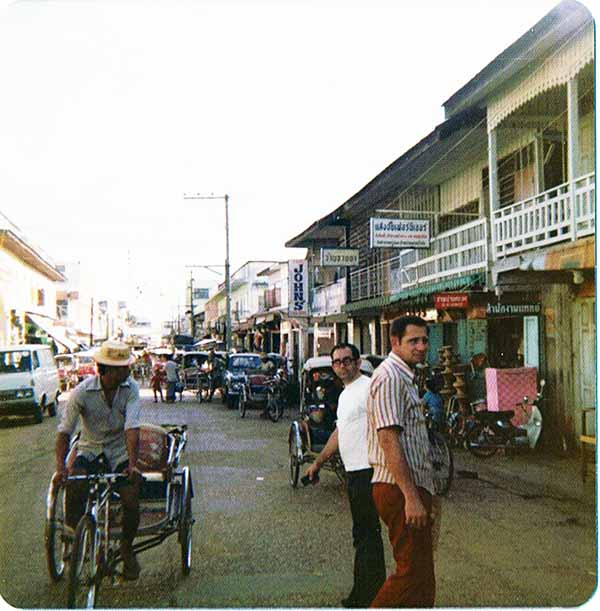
{"x": 350, "y": 437}
{"x": 109, "y": 407}
{"x": 172, "y": 378}
{"x": 402, "y": 480}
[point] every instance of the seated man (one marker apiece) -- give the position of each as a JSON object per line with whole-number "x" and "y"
{"x": 267, "y": 366}
{"x": 109, "y": 408}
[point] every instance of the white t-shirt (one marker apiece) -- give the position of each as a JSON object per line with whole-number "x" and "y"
{"x": 352, "y": 424}
{"x": 171, "y": 371}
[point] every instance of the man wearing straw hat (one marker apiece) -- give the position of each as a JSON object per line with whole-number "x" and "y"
{"x": 109, "y": 407}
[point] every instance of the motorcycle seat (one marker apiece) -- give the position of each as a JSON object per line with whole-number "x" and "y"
{"x": 490, "y": 416}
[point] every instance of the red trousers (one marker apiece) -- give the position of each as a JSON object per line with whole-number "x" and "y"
{"x": 413, "y": 583}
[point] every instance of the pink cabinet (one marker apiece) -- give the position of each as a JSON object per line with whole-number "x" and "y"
{"x": 507, "y": 387}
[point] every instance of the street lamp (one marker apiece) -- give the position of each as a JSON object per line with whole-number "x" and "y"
{"x": 227, "y": 278}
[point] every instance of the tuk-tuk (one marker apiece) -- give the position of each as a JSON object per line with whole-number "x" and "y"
{"x": 67, "y": 375}
{"x": 319, "y": 392}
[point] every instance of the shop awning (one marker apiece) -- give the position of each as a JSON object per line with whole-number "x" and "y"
{"x": 59, "y": 334}
{"x": 421, "y": 293}
{"x": 366, "y": 304}
{"x": 331, "y": 318}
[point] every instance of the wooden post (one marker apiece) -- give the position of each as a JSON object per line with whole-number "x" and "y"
{"x": 573, "y": 148}
{"x": 493, "y": 186}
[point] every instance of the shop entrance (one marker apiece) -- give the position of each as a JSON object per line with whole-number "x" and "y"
{"x": 512, "y": 341}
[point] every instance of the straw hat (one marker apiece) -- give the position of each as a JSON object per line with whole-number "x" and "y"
{"x": 114, "y": 354}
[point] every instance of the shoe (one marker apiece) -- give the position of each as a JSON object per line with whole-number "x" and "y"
{"x": 131, "y": 566}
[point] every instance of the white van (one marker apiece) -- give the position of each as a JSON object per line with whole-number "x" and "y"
{"x": 28, "y": 381}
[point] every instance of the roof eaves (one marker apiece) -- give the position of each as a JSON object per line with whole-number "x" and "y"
{"x": 563, "y": 19}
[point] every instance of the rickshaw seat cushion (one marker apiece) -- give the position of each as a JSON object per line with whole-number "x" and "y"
{"x": 257, "y": 379}
{"x": 153, "y": 448}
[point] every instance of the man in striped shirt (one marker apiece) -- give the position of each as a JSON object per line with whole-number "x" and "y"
{"x": 402, "y": 474}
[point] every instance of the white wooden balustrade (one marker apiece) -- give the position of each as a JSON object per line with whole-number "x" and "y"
{"x": 452, "y": 254}
{"x": 546, "y": 218}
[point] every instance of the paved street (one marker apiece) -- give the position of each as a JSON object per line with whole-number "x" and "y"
{"x": 509, "y": 537}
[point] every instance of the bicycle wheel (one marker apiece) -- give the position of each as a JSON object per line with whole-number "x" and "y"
{"x": 84, "y": 576}
{"x": 241, "y": 406}
{"x": 54, "y": 536}
{"x": 442, "y": 462}
{"x": 481, "y": 442}
{"x": 273, "y": 407}
{"x": 185, "y": 527}
{"x": 294, "y": 463}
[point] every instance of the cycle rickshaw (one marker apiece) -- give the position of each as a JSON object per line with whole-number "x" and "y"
{"x": 165, "y": 509}
{"x": 319, "y": 392}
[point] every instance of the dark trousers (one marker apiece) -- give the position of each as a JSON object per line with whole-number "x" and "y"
{"x": 76, "y": 495}
{"x": 171, "y": 391}
{"x": 413, "y": 583}
{"x": 369, "y": 563}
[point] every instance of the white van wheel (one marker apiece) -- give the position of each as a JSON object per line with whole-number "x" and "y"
{"x": 38, "y": 412}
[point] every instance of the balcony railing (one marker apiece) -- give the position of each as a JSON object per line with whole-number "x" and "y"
{"x": 454, "y": 253}
{"x": 546, "y": 218}
{"x": 329, "y": 299}
{"x": 271, "y": 298}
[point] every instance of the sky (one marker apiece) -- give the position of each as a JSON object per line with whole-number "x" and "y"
{"x": 111, "y": 111}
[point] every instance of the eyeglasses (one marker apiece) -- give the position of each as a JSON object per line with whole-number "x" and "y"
{"x": 345, "y": 361}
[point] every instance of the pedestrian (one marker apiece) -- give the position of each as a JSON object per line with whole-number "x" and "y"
{"x": 350, "y": 438}
{"x": 172, "y": 378}
{"x": 434, "y": 401}
{"x": 157, "y": 379}
{"x": 109, "y": 407}
{"x": 398, "y": 445}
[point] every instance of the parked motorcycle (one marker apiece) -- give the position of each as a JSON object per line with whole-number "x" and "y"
{"x": 491, "y": 430}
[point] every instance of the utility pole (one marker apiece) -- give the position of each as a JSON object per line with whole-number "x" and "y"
{"x": 91, "y": 322}
{"x": 192, "y": 322}
{"x": 227, "y": 270}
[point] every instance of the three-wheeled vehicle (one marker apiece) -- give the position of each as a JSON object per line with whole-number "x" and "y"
{"x": 93, "y": 552}
{"x": 84, "y": 364}
{"x": 67, "y": 374}
{"x": 242, "y": 381}
{"x": 319, "y": 392}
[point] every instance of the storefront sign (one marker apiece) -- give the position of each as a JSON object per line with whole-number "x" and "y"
{"x": 444, "y": 301}
{"x": 298, "y": 286}
{"x": 201, "y": 293}
{"x": 513, "y": 309}
{"x": 390, "y": 233}
{"x": 339, "y": 257}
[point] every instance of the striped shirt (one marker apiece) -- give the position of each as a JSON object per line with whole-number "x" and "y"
{"x": 394, "y": 401}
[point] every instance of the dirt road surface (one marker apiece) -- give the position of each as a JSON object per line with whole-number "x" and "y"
{"x": 516, "y": 531}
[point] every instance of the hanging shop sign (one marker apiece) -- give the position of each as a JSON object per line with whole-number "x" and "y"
{"x": 513, "y": 309}
{"x": 445, "y": 301}
{"x": 298, "y": 287}
{"x": 390, "y": 233}
{"x": 339, "y": 257}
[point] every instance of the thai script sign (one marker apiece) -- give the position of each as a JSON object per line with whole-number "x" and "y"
{"x": 444, "y": 301}
{"x": 513, "y": 309}
{"x": 393, "y": 233}
{"x": 339, "y": 257}
{"x": 298, "y": 284}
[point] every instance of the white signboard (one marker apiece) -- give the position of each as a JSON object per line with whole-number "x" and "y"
{"x": 339, "y": 257}
{"x": 298, "y": 283}
{"x": 394, "y": 233}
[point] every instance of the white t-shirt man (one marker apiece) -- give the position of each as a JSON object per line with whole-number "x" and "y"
{"x": 352, "y": 424}
{"x": 171, "y": 371}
